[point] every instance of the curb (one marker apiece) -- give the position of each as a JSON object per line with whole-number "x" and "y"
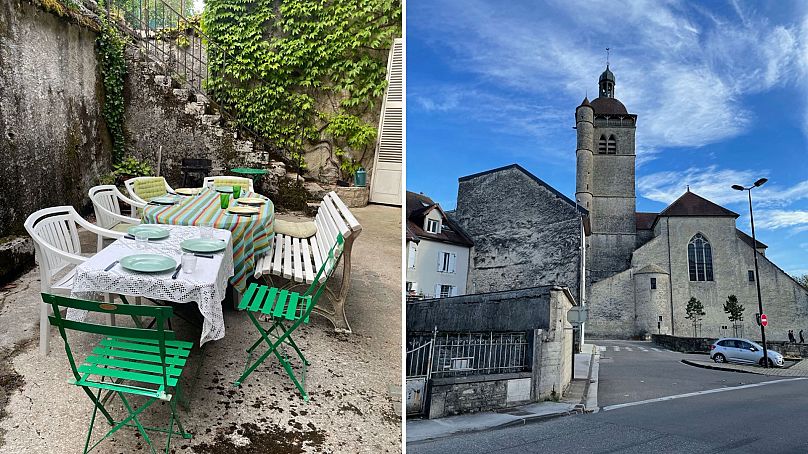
{"x": 590, "y": 399}
{"x": 710, "y": 366}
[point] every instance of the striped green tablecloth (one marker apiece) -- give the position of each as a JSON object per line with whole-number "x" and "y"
{"x": 252, "y": 235}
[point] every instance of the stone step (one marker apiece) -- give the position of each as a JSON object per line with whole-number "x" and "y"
{"x": 183, "y": 94}
{"x": 193, "y": 108}
{"x": 211, "y": 120}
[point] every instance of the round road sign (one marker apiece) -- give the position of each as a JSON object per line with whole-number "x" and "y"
{"x": 764, "y": 320}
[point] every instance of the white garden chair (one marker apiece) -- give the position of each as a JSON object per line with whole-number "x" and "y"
{"x": 58, "y": 251}
{"x": 143, "y": 189}
{"x": 108, "y": 214}
{"x": 221, "y": 180}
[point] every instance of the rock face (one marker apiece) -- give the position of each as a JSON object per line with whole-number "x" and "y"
{"x": 354, "y": 197}
{"x": 53, "y": 141}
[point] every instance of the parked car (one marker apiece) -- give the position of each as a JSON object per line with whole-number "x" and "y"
{"x": 742, "y": 351}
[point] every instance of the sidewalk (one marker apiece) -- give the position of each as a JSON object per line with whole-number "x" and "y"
{"x": 800, "y": 369}
{"x": 580, "y": 397}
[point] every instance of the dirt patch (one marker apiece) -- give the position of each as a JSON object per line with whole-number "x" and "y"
{"x": 251, "y": 439}
{"x": 10, "y": 380}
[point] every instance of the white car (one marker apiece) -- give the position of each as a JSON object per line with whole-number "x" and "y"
{"x": 736, "y": 350}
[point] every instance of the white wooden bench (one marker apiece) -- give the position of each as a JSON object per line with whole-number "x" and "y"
{"x": 298, "y": 259}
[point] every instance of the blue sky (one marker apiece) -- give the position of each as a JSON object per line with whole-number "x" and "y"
{"x": 720, "y": 89}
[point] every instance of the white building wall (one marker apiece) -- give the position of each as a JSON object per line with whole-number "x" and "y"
{"x": 424, "y": 274}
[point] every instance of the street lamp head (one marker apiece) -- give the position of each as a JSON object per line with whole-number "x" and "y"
{"x": 761, "y": 181}
{"x": 738, "y": 187}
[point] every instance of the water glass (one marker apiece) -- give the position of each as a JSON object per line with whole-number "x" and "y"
{"x": 188, "y": 262}
{"x": 141, "y": 240}
{"x": 225, "y": 200}
{"x": 236, "y": 191}
{"x": 207, "y": 232}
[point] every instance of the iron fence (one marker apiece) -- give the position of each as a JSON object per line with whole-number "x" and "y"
{"x": 439, "y": 355}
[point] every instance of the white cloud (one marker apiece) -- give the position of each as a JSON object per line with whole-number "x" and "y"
{"x": 685, "y": 78}
{"x": 797, "y": 220}
{"x": 714, "y": 184}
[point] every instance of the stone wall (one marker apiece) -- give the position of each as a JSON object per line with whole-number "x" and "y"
{"x": 453, "y": 396}
{"x": 53, "y": 141}
{"x": 525, "y": 233}
{"x": 684, "y": 344}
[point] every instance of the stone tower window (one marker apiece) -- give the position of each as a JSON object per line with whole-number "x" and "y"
{"x": 653, "y": 283}
{"x": 700, "y": 259}
{"x": 611, "y": 145}
{"x": 602, "y": 145}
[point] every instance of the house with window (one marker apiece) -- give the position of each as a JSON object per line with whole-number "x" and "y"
{"x": 437, "y": 251}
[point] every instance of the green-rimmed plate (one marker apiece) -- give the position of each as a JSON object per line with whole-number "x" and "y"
{"x": 152, "y": 231}
{"x": 148, "y": 263}
{"x": 203, "y": 245}
{"x": 164, "y": 200}
{"x": 227, "y": 189}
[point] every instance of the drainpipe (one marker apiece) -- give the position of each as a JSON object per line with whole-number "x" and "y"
{"x": 670, "y": 273}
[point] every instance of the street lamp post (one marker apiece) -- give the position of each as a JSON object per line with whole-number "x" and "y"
{"x": 737, "y": 187}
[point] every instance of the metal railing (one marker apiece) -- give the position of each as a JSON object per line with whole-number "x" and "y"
{"x": 460, "y": 354}
{"x": 179, "y": 45}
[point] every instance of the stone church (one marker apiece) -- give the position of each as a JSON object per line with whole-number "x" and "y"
{"x": 635, "y": 271}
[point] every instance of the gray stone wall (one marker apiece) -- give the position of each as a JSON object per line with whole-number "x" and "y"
{"x": 53, "y": 142}
{"x": 455, "y": 396}
{"x": 611, "y": 307}
{"x": 160, "y": 114}
{"x": 524, "y": 234}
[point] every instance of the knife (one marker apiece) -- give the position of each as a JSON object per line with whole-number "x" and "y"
{"x": 111, "y": 265}
{"x": 177, "y": 271}
{"x": 206, "y": 256}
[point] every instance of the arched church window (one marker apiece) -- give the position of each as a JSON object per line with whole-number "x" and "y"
{"x": 611, "y": 145}
{"x": 700, "y": 259}
{"x": 602, "y": 145}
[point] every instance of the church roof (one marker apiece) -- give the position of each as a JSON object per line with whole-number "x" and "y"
{"x": 532, "y": 177}
{"x": 608, "y": 106}
{"x": 418, "y": 205}
{"x": 606, "y": 75}
{"x": 645, "y": 221}
{"x": 585, "y": 102}
{"x": 748, "y": 239}
{"x": 691, "y": 204}
{"x": 652, "y": 269}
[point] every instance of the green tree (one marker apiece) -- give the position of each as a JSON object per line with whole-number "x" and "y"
{"x": 734, "y": 311}
{"x": 694, "y": 311}
{"x": 802, "y": 280}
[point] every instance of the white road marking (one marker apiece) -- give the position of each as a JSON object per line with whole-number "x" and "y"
{"x": 644, "y": 349}
{"x": 616, "y": 348}
{"x": 699, "y": 393}
{"x": 628, "y": 349}
{"x": 601, "y": 348}
{"x": 656, "y": 349}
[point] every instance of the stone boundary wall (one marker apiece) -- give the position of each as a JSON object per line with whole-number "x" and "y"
{"x": 702, "y": 344}
{"x": 457, "y": 395}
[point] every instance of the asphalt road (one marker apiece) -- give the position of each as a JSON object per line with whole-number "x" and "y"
{"x": 644, "y": 410}
{"x": 635, "y": 371}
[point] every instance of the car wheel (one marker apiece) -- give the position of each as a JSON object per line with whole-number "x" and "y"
{"x": 771, "y": 363}
{"x": 719, "y": 358}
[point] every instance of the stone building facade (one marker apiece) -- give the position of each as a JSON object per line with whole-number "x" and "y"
{"x": 525, "y": 232}
{"x": 644, "y": 267}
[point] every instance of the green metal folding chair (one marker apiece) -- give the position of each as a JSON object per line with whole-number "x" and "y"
{"x": 287, "y": 311}
{"x": 127, "y": 361}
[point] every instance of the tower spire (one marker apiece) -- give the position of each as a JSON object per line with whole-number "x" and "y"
{"x": 607, "y": 58}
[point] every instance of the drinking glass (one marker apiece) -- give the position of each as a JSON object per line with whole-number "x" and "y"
{"x": 188, "y": 262}
{"x": 236, "y": 191}
{"x": 141, "y": 240}
{"x": 224, "y": 198}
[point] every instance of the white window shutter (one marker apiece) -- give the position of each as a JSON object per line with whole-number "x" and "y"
{"x": 440, "y": 261}
{"x": 453, "y": 291}
{"x": 414, "y": 287}
{"x": 452, "y": 262}
{"x": 411, "y": 258}
{"x": 386, "y": 177}
{"x": 437, "y": 290}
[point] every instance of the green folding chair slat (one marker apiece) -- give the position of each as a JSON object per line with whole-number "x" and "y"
{"x": 308, "y": 305}
{"x": 169, "y": 342}
{"x": 266, "y": 309}
{"x": 107, "y": 308}
{"x": 174, "y": 361}
{"x": 245, "y": 300}
{"x": 290, "y": 309}
{"x": 259, "y": 299}
{"x": 125, "y": 388}
{"x": 125, "y": 374}
{"x": 277, "y": 312}
{"x": 106, "y": 330}
{"x": 133, "y": 365}
{"x": 115, "y": 343}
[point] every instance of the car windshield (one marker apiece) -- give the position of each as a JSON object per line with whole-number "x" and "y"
{"x": 756, "y": 345}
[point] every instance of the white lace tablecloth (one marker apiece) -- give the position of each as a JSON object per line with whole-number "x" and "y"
{"x": 206, "y": 285}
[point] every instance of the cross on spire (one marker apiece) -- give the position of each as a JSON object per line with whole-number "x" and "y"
{"x": 607, "y": 57}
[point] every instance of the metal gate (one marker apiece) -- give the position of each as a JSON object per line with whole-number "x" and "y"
{"x": 419, "y": 370}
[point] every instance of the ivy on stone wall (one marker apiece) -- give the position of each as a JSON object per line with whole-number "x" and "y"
{"x": 110, "y": 48}
{"x": 303, "y": 72}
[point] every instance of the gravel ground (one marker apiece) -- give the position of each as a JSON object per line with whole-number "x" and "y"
{"x": 354, "y": 380}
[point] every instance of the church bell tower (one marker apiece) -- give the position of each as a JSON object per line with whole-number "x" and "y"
{"x": 605, "y": 179}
